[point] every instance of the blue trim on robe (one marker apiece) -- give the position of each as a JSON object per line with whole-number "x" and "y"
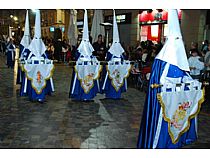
{"x": 151, "y": 113}
{"x": 109, "y": 90}
{"x": 25, "y": 55}
{"x": 79, "y": 93}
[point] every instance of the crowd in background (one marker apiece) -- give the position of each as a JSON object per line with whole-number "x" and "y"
{"x": 143, "y": 53}
{"x": 199, "y": 60}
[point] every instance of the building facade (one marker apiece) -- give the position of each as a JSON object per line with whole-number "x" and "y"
{"x": 195, "y": 24}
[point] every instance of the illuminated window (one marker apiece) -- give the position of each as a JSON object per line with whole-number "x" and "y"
{"x": 154, "y": 30}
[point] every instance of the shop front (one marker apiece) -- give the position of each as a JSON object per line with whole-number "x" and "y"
{"x": 153, "y": 24}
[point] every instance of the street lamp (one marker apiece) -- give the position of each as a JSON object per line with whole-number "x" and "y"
{"x": 11, "y": 16}
{"x": 15, "y": 18}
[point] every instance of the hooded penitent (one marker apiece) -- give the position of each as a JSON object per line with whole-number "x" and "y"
{"x": 172, "y": 101}
{"x": 86, "y": 72}
{"x": 38, "y": 68}
{"x": 117, "y": 69}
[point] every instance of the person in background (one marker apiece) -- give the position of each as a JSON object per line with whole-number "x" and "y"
{"x": 10, "y": 53}
{"x": 194, "y": 45}
{"x": 100, "y": 48}
{"x": 127, "y": 52}
{"x": 58, "y": 49}
{"x": 138, "y": 45}
{"x": 207, "y": 74}
{"x": 196, "y": 66}
{"x": 207, "y": 59}
{"x": 205, "y": 45}
{"x": 64, "y": 50}
{"x": 69, "y": 53}
{"x": 50, "y": 51}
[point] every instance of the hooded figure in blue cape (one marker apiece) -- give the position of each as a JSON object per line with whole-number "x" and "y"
{"x": 38, "y": 69}
{"x": 10, "y": 53}
{"x": 170, "y": 66}
{"x": 24, "y": 52}
{"x": 85, "y": 84}
{"x": 117, "y": 69}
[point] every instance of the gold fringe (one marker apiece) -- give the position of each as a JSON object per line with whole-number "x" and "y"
{"x": 80, "y": 79}
{"x": 113, "y": 81}
{"x": 45, "y": 83}
{"x": 174, "y": 141}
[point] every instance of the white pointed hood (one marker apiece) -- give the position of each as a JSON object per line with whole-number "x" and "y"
{"x": 116, "y": 48}
{"x": 25, "y": 41}
{"x": 96, "y": 28}
{"x": 173, "y": 50}
{"x": 72, "y": 30}
{"x": 37, "y": 46}
{"x": 85, "y": 48}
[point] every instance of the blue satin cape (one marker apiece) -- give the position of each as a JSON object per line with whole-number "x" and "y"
{"x": 109, "y": 90}
{"x": 79, "y": 93}
{"x": 151, "y": 113}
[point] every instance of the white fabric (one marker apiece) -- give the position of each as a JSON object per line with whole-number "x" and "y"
{"x": 207, "y": 60}
{"x": 74, "y": 83}
{"x": 38, "y": 74}
{"x": 87, "y": 74}
{"x": 37, "y": 46}
{"x": 85, "y": 48}
{"x": 144, "y": 56}
{"x": 117, "y": 73}
{"x": 116, "y": 48}
{"x": 173, "y": 50}
{"x": 96, "y": 28}
{"x": 179, "y": 106}
{"x": 52, "y": 85}
{"x": 126, "y": 85}
{"x": 38, "y": 30}
{"x": 25, "y": 85}
{"x": 195, "y": 62}
{"x": 105, "y": 81}
{"x": 25, "y": 41}
{"x": 72, "y": 30}
{"x": 157, "y": 134}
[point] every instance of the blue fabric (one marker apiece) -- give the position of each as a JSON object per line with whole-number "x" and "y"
{"x": 25, "y": 53}
{"x": 79, "y": 93}
{"x": 33, "y": 96}
{"x": 30, "y": 92}
{"x": 109, "y": 90}
{"x": 151, "y": 113}
{"x": 10, "y": 62}
{"x": 22, "y": 86}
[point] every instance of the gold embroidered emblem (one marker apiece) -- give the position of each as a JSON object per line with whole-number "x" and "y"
{"x": 39, "y": 77}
